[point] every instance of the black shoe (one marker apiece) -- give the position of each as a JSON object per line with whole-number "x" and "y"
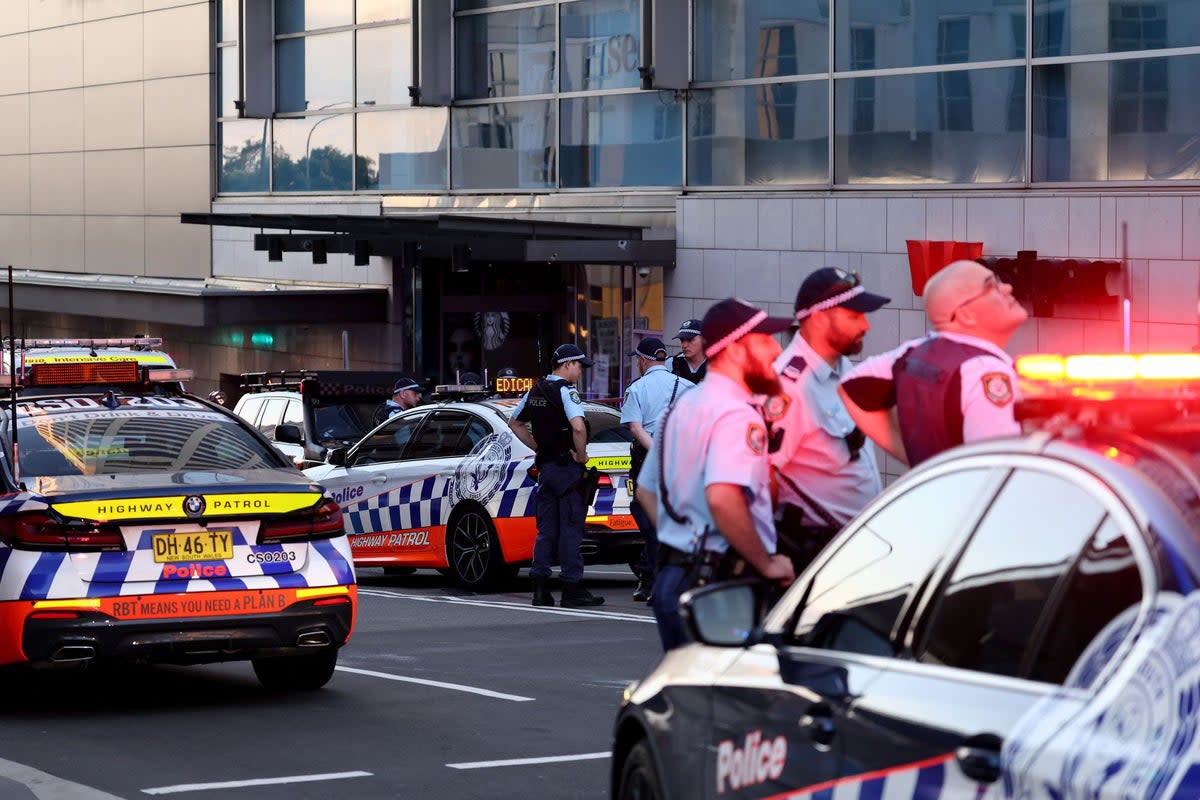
{"x": 644, "y": 589}
{"x": 575, "y": 596}
{"x": 541, "y": 595}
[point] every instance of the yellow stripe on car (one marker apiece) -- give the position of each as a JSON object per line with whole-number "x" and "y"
{"x": 610, "y": 462}
{"x": 323, "y": 591}
{"x": 42, "y": 605}
{"x": 215, "y": 505}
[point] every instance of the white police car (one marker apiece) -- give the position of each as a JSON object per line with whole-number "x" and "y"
{"x": 1017, "y": 618}
{"x": 446, "y": 486}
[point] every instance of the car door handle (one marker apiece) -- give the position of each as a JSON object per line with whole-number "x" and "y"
{"x": 979, "y": 757}
{"x": 379, "y": 478}
{"x": 818, "y": 722}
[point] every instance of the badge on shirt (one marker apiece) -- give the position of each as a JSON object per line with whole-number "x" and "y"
{"x": 574, "y": 395}
{"x": 775, "y": 407}
{"x": 998, "y": 388}
{"x": 795, "y": 368}
{"x": 756, "y": 437}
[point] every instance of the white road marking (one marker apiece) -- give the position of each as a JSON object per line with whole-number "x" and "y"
{"x": 517, "y": 762}
{"x": 511, "y": 606}
{"x": 45, "y": 786}
{"x": 458, "y": 687}
{"x": 203, "y": 787}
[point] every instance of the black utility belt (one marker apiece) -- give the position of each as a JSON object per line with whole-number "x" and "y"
{"x": 707, "y": 565}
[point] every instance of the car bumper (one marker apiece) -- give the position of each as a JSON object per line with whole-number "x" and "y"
{"x": 615, "y": 540}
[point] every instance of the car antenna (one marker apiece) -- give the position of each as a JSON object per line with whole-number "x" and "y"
{"x": 12, "y": 377}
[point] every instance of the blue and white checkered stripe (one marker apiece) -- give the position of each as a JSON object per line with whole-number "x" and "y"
{"x": 934, "y": 779}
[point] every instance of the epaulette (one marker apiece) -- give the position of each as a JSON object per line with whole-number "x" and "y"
{"x": 795, "y": 368}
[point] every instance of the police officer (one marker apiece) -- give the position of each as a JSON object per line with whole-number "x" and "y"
{"x": 706, "y": 482}
{"x": 692, "y": 363}
{"x": 645, "y": 401}
{"x": 553, "y": 410}
{"x": 406, "y": 394}
{"x": 826, "y": 469}
{"x": 957, "y": 384}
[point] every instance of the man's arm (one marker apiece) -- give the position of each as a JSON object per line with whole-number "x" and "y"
{"x": 640, "y": 435}
{"x": 579, "y": 439}
{"x": 521, "y": 431}
{"x": 881, "y": 426}
{"x": 731, "y": 513}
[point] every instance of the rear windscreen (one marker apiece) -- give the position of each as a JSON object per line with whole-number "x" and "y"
{"x": 343, "y": 421}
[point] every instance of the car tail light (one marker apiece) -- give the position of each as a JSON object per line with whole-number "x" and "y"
{"x": 604, "y": 480}
{"x": 40, "y": 531}
{"x": 321, "y": 522}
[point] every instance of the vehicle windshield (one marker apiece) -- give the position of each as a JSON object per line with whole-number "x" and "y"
{"x": 606, "y": 427}
{"x": 80, "y": 436}
{"x": 343, "y": 421}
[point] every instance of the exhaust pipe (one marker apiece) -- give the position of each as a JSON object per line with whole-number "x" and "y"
{"x": 318, "y": 638}
{"x": 73, "y": 652}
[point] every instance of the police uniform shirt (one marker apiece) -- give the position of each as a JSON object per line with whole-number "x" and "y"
{"x": 813, "y": 453}
{"x": 648, "y": 397}
{"x": 683, "y": 368}
{"x": 714, "y": 435}
{"x": 989, "y": 385}
{"x": 570, "y": 400}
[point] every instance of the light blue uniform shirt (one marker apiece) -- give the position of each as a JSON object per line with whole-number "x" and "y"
{"x": 714, "y": 434}
{"x": 570, "y": 398}
{"x": 648, "y": 397}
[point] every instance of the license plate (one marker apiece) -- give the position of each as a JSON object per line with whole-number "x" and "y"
{"x": 209, "y": 545}
{"x": 631, "y": 487}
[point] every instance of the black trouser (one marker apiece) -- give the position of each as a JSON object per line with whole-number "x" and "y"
{"x": 645, "y": 565}
{"x": 798, "y": 538}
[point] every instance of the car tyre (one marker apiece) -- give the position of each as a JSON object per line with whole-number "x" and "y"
{"x": 473, "y": 551}
{"x": 639, "y": 778}
{"x": 305, "y": 672}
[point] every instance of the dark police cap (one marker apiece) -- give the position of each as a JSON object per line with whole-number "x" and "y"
{"x": 651, "y": 348}
{"x": 690, "y": 329}
{"x": 470, "y": 379}
{"x": 733, "y": 318}
{"x": 829, "y": 287}
{"x": 405, "y": 384}
{"x": 570, "y": 352}
{"x": 507, "y": 372}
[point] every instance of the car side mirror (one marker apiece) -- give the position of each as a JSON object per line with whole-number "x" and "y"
{"x": 723, "y": 614}
{"x": 336, "y": 456}
{"x": 288, "y": 434}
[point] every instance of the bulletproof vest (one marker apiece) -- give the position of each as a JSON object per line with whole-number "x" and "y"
{"x": 547, "y": 417}
{"x": 680, "y": 367}
{"x": 929, "y": 396}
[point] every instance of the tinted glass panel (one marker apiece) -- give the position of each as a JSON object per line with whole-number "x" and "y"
{"x": 293, "y": 16}
{"x": 770, "y": 134}
{"x": 387, "y": 444}
{"x": 1111, "y": 26}
{"x": 606, "y": 427}
{"x": 402, "y": 149}
{"x": 856, "y": 597}
{"x": 313, "y": 154}
{"x": 920, "y": 34}
{"x": 313, "y": 72}
{"x": 759, "y": 39}
{"x": 248, "y": 409}
{"x": 600, "y": 42}
{"x": 506, "y": 54}
{"x": 949, "y": 127}
{"x": 1129, "y": 120}
{"x": 382, "y": 10}
{"x": 343, "y": 422}
{"x": 466, "y": 5}
{"x": 227, "y": 80}
{"x": 507, "y": 145}
{"x": 621, "y": 140}
{"x": 272, "y": 413}
{"x": 988, "y": 613}
{"x": 243, "y": 156}
{"x": 441, "y": 436}
{"x": 1089, "y": 619}
{"x": 385, "y": 65}
{"x": 476, "y": 432}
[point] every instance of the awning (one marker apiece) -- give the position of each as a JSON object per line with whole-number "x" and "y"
{"x": 460, "y": 238}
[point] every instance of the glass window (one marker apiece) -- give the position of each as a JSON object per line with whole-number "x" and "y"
{"x": 382, "y": 10}
{"x": 313, "y": 72}
{"x": 501, "y": 146}
{"x": 1083, "y": 27}
{"x": 228, "y": 21}
{"x": 387, "y": 444}
{"x": 622, "y": 140}
{"x": 441, "y": 437}
{"x": 601, "y": 40}
{"x": 477, "y": 431}
{"x": 384, "y": 65}
{"x": 604, "y": 426}
{"x": 293, "y": 16}
{"x": 343, "y": 422}
{"x": 505, "y": 54}
{"x": 986, "y": 618}
{"x": 737, "y": 39}
{"x": 294, "y": 414}
{"x": 763, "y": 135}
{"x": 855, "y": 599}
{"x": 1131, "y": 120}
{"x": 402, "y": 149}
{"x": 921, "y": 34}
{"x": 1094, "y": 612}
{"x": 272, "y": 413}
{"x": 467, "y": 5}
{"x": 249, "y": 408}
{"x": 313, "y": 154}
{"x": 243, "y": 156}
{"x": 929, "y": 128}
{"x": 227, "y": 80}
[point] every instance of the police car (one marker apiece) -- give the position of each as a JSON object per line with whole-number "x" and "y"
{"x": 447, "y": 486}
{"x": 1017, "y": 618}
{"x": 23, "y": 353}
{"x": 138, "y": 523}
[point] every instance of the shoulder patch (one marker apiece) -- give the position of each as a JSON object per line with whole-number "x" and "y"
{"x": 795, "y": 368}
{"x": 574, "y": 395}
{"x": 775, "y": 407}
{"x": 997, "y": 387}
{"x": 756, "y": 438}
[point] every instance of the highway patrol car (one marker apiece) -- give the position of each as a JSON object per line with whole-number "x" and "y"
{"x": 141, "y": 523}
{"x": 447, "y": 486}
{"x": 23, "y": 353}
{"x": 1017, "y": 618}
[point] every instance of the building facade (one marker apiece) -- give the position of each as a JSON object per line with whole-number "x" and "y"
{"x": 763, "y": 138}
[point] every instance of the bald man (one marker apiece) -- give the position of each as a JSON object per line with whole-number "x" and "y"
{"x": 955, "y": 385}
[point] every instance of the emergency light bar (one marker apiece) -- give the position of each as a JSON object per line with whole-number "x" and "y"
{"x": 144, "y": 342}
{"x": 1109, "y": 368}
{"x": 169, "y": 375}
